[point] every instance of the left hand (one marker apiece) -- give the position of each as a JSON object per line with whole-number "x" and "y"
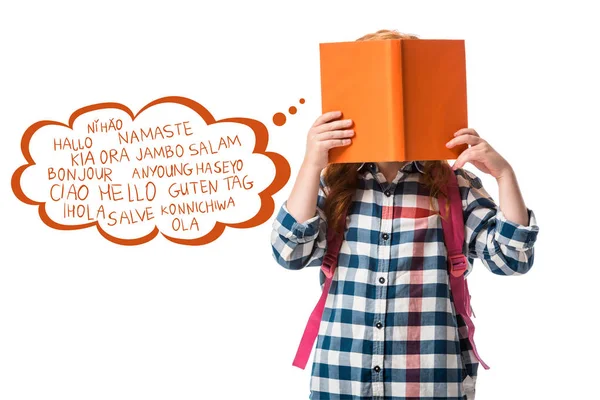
{"x": 480, "y": 153}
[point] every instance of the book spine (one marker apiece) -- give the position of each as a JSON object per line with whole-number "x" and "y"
{"x": 396, "y": 101}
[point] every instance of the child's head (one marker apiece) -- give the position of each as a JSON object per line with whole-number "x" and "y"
{"x": 341, "y": 179}
{"x": 384, "y": 34}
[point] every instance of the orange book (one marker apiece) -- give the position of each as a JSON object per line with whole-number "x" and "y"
{"x": 406, "y": 97}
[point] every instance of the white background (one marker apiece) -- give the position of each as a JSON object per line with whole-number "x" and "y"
{"x": 83, "y": 318}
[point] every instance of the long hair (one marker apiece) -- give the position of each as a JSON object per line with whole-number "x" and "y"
{"x": 342, "y": 179}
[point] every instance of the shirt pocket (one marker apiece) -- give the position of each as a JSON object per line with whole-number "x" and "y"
{"x": 417, "y": 224}
{"x": 418, "y": 243}
{"x": 358, "y": 250}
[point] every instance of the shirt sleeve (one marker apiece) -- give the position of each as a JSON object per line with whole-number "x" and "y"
{"x": 297, "y": 245}
{"x": 504, "y": 247}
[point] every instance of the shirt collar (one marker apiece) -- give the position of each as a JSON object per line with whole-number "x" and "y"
{"x": 410, "y": 167}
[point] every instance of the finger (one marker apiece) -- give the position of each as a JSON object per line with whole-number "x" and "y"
{"x": 326, "y": 117}
{"x": 466, "y": 156}
{"x": 339, "y": 134}
{"x": 333, "y": 126}
{"x": 465, "y": 138}
{"x": 461, "y": 160}
{"x": 465, "y": 131}
{"x": 329, "y": 144}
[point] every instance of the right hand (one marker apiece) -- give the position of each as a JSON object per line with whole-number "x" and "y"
{"x": 327, "y": 132}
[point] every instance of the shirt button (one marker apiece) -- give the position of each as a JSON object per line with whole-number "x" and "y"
{"x": 385, "y": 236}
{"x": 377, "y": 369}
{"x": 371, "y": 165}
{"x": 379, "y": 325}
{"x": 387, "y": 193}
{"x": 382, "y": 280}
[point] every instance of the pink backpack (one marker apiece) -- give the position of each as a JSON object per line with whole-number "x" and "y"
{"x": 454, "y": 231}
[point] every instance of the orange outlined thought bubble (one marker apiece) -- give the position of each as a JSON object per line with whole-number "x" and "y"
{"x": 170, "y": 168}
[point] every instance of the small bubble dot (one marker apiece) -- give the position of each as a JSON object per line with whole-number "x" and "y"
{"x": 279, "y": 119}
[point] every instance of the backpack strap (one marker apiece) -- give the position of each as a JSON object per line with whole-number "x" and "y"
{"x": 330, "y": 259}
{"x": 454, "y": 237}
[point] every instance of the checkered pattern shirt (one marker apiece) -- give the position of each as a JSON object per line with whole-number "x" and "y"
{"x": 389, "y": 329}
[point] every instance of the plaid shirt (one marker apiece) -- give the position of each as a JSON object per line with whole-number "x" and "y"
{"x": 389, "y": 329}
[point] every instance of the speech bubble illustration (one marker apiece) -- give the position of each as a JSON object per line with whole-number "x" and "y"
{"x": 171, "y": 169}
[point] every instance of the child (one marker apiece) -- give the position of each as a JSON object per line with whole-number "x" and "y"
{"x": 389, "y": 329}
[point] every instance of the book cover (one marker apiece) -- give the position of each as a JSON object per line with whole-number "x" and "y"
{"x": 406, "y": 97}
